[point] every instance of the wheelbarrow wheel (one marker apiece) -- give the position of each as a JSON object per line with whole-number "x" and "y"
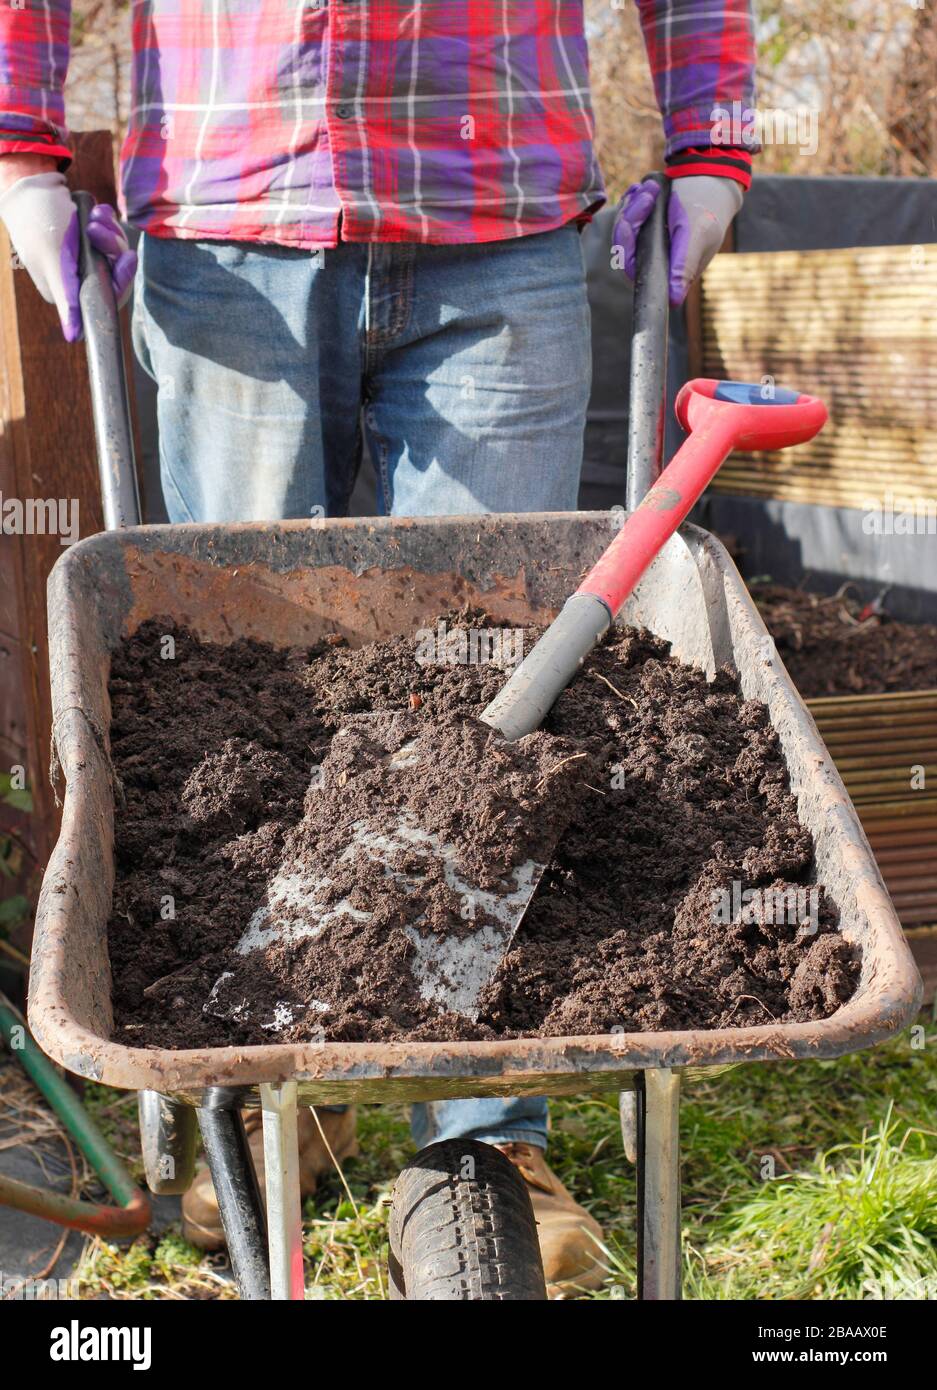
{"x": 462, "y": 1227}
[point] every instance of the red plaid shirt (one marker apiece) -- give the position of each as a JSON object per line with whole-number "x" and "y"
{"x": 305, "y": 121}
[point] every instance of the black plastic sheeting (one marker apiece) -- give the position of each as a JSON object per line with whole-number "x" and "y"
{"x": 825, "y": 547}
{"x": 786, "y": 213}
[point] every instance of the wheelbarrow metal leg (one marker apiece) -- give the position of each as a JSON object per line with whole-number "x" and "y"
{"x": 658, "y": 1151}
{"x": 628, "y": 1115}
{"x": 284, "y": 1201}
{"x": 169, "y": 1140}
{"x": 232, "y": 1172}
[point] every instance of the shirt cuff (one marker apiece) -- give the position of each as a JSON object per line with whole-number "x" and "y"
{"x": 716, "y": 161}
{"x": 35, "y": 142}
{"x": 731, "y": 126}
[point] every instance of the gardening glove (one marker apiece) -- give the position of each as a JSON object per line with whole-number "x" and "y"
{"x": 42, "y": 222}
{"x": 698, "y": 216}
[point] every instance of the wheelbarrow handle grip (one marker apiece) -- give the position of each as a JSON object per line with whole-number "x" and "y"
{"x": 647, "y": 389}
{"x": 110, "y": 403}
{"x": 721, "y": 416}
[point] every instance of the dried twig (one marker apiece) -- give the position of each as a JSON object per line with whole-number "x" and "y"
{"x": 755, "y": 1000}
{"x": 176, "y": 976}
{"x": 10, "y": 950}
{"x": 621, "y": 695}
{"x": 556, "y": 767}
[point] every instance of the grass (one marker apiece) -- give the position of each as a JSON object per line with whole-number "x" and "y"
{"x": 811, "y": 1180}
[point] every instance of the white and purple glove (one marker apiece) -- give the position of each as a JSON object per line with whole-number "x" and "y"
{"x": 42, "y": 222}
{"x": 700, "y": 210}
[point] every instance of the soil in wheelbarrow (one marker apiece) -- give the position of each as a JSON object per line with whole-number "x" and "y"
{"x": 836, "y": 645}
{"x": 679, "y": 896}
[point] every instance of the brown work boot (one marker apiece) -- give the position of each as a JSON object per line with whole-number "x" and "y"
{"x": 571, "y": 1258}
{"x": 201, "y": 1220}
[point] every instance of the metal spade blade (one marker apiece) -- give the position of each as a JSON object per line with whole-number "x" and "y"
{"x": 451, "y": 969}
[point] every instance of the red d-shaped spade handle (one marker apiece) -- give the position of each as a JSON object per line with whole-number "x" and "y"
{"x": 720, "y": 416}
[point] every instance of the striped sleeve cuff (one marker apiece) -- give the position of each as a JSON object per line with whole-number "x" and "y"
{"x": 719, "y": 161}
{"x": 35, "y": 142}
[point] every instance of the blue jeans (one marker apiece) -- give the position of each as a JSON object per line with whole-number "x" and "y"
{"x": 466, "y": 368}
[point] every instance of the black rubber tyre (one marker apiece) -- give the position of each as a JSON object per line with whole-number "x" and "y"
{"x": 462, "y": 1227}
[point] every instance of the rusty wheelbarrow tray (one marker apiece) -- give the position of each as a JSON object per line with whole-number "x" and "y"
{"x": 367, "y": 579}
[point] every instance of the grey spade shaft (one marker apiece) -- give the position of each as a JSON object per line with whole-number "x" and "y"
{"x": 523, "y": 703}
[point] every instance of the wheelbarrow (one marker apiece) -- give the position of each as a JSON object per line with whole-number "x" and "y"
{"x": 293, "y": 584}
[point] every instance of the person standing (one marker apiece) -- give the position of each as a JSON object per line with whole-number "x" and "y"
{"x": 361, "y": 222}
